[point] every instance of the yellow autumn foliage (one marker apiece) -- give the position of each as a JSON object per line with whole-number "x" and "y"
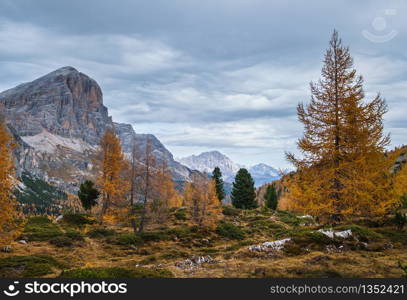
{"x": 8, "y": 204}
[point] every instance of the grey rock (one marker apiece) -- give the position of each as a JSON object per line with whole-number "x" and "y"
{"x": 7, "y": 249}
{"x": 57, "y": 122}
{"x": 195, "y": 262}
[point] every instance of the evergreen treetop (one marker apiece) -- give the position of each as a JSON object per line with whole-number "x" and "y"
{"x": 243, "y": 192}
{"x": 219, "y": 185}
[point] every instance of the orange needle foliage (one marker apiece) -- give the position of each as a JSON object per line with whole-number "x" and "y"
{"x": 112, "y": 182}
{"x": 344, "y": 170}
{"x": 8, "y": 204}
{"x": 201, "y": 199}
{"x": 166, "y": 196}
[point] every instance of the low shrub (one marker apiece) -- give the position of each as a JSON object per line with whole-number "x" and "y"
{"x": 289, "y": 218}
{"x": 363, "y": 233}
{"x": 404, "y": 268}
{"x": 74, "y": 235}
{"x": 229, "y": 230}
{"x": 27, "y": 266}
{"x": 62, "y": 241}
{"x": 179, "y": 232}
{"x": 78, "y": 219}
{"x": 264, "y": 226}
{"x": 154, "y": 236}
{"x": 41, "y": 228}
{"x": 148, "y": 260}
{"x": 126, "y": 239}
{"x": 239, "y": 245}
{"x": 230, "y": 211}
{"x": 67, "y": 239}
{"x": 400, "y": 220}
{"x": 173, "y": 254}
{"x": 181, "y": 214}
{"x": 395, "y": 236}
{"x": 292, "y": 249}
{"x": 307, "y": 239}
{"x": 116, "y": 273}
{"x": 101, "y": 233}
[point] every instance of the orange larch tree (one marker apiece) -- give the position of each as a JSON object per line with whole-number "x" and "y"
{"x": 201, "y": 199}
{"x": 344, "y": 170}
{"x": 8, "y": 203}
{"x": 112, "y": 183}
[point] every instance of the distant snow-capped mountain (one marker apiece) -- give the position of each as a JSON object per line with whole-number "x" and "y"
{"x": 207, "y": 161}
{"x": 263, "y": 173}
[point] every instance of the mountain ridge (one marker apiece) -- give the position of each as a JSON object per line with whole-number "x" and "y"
{"x": 57, "y": 121}
{"x": 207, "y": 161}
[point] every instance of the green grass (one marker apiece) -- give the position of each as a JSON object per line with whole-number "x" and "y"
{"x": 28, "y": 266}
{"x": 116, "y": 272}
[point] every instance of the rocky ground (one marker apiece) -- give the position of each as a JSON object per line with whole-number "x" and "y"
{"x": 253, "y": 243}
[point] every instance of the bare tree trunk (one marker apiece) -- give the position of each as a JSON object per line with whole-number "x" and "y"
{"x": 133, "y": 187}
{"x": 147, "y": 179}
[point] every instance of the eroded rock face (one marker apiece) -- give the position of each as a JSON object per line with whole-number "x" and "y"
{"x": 127, "y": 135}
{"x": 57, "y": 122}
{"x": 64, "y": 102}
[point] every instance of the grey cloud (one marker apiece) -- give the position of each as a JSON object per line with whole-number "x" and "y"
{"x": 206, "y": 75}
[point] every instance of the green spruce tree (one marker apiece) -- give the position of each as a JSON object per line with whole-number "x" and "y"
{"x": 88, "y": 195}
{"x": 271, "y": 197}
{"x": 243, "y": 192}
{"x": 217, "y": 177}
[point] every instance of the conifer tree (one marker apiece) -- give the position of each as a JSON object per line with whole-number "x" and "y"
{"x": 113, "y": 185}
{"x": 147, "y": 182}
{"x": 165, "y": 196}
{"x": 201, "y": 199}
{"x": 88, "y": 194}
{"x": 271, "y": 197}
{"x": 8, "y": 203}
{"x": 343, "y": 170}
{"x": 243, "y": 192}
{"x": 220, "y": 189}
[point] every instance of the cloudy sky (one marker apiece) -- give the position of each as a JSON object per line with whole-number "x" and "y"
{"x": 214, "y": 74}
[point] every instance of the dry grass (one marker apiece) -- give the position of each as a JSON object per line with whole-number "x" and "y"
{"x": 233, "y": 259}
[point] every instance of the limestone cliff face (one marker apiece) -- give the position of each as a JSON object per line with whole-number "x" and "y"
{"x": 58, "y": 120}
{"x": 64, "y": 102}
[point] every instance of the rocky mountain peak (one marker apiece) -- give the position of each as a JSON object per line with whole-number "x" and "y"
{"x": 57, "y": 121}
{"x": 64, "y": 102}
